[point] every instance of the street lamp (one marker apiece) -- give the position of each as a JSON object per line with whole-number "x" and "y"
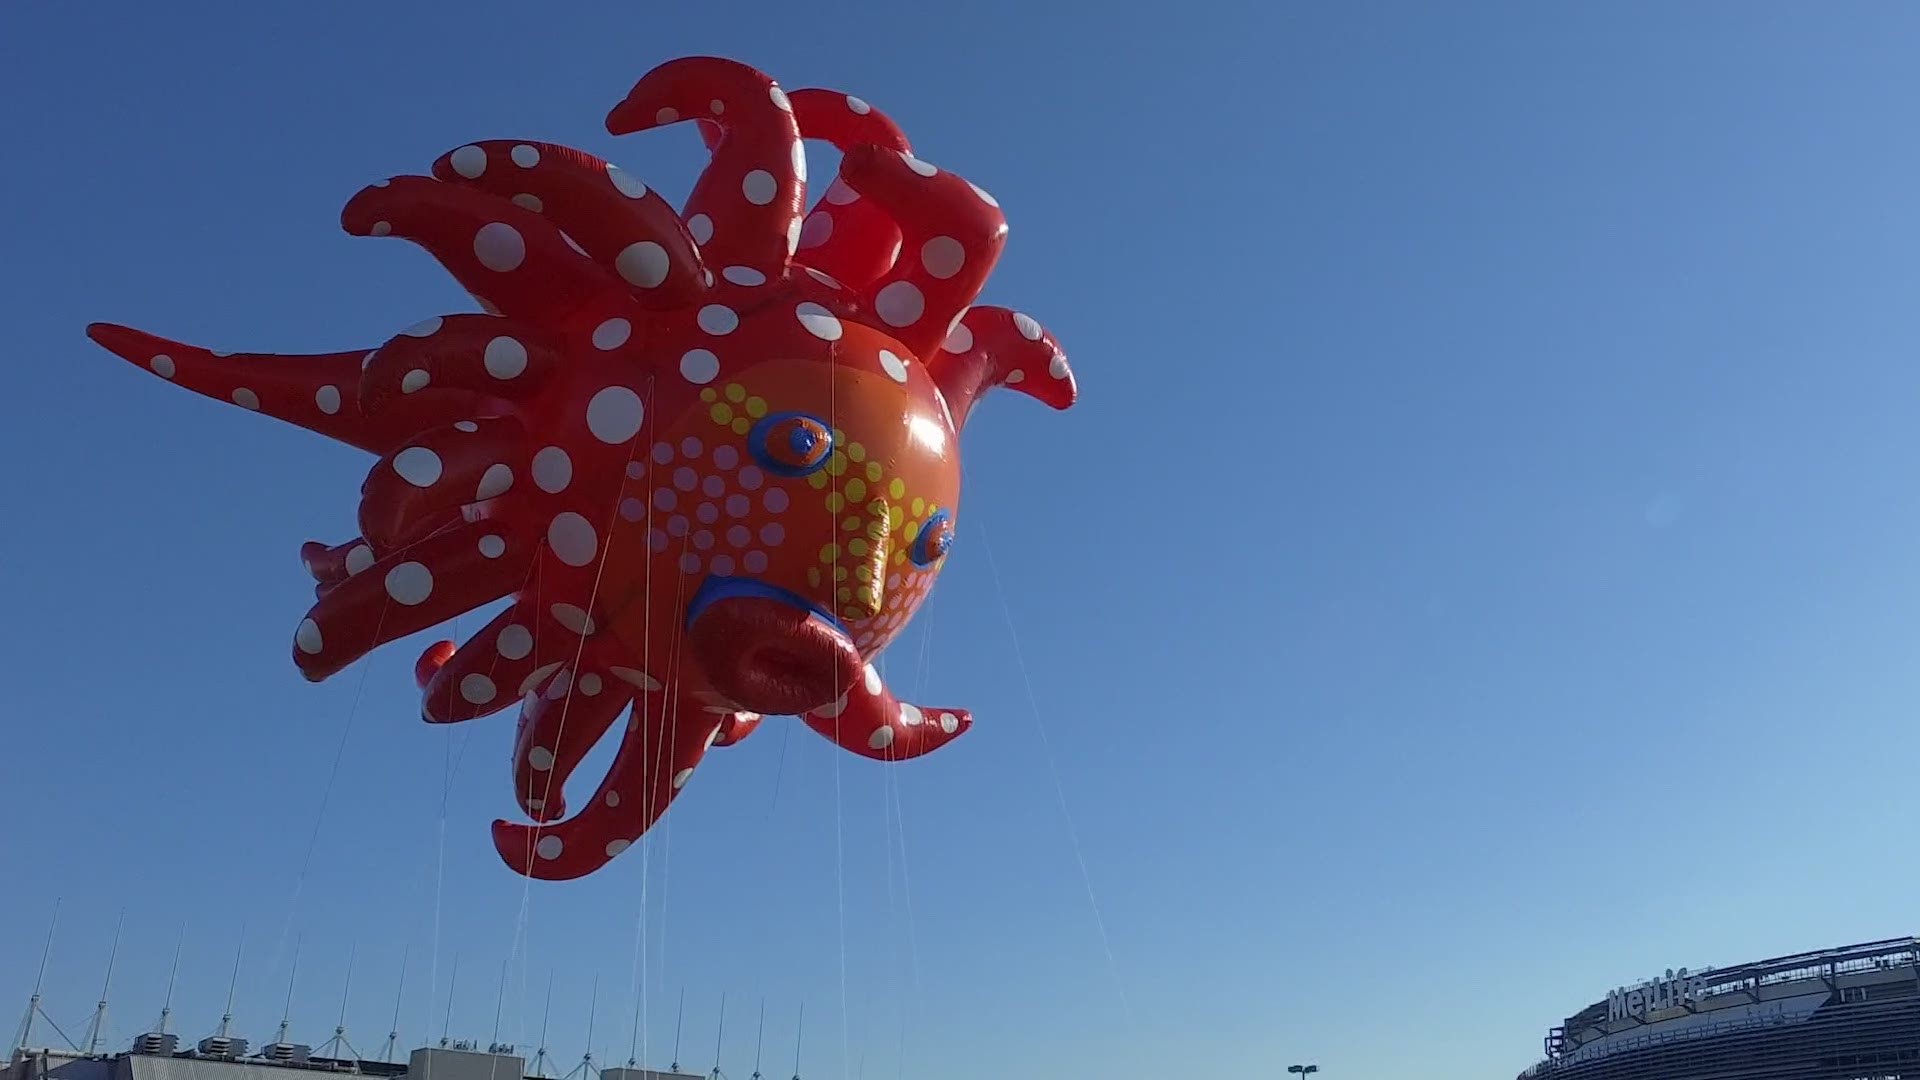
{"x": 1303, "y": 1070}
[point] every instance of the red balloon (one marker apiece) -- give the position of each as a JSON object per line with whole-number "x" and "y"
{"x": 711, "y": 454}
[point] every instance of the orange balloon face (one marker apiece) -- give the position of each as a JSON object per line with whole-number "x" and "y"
{"x": 830, "y": 479}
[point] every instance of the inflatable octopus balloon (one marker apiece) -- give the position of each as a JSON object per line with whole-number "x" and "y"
{"x": 710, "y": 455}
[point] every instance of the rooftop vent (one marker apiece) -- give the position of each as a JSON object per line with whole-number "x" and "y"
{"x": 159, "y": 1044}
{"x": 222, "y": 1046}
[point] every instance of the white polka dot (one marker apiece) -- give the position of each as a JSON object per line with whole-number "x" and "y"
{"x": 911, "y": 716}
{"x": 162, "y": 366}
{"x": 943, "y": 257}
{"x": 680, "y": 778}
{"x": 1015, "y": 377}
{"x": 949, "y": 723}
{"x": 718, "y": 319}
{"x": 468, "y": 161}
{"x": 700, "y": 227}
{"x": 1057, "y": 367}
{"x": 525, "y": 156}
{"x": 494, "y": 482}
{"x": 414, "y": 380}
{"x": 466, "y": 426}
{"x": 685, "y": 479}
{"x": 717, "y": 106}
{"x": 643, "y": 263}
{"x": 514, "y": 642}
{"x": 725, "y": 456}
{"x": 689, "y": 563}
{"x": 540, "y": 758}
{"x": 246, "y": 398}
{"x": 615, "y": 414}
{"x": 505, "y": 358}
{"x": 552, "y": 470}
{"x": 307, "y": 637}
{"x": 635, "y": 677}
{"x": 499, "y": 246}
{"x": 418, "y": 466}
{"x": 626, "y": 183}
{"x": 1028, "y": 328}
{"x": 824, "y": 279}
{"x": 984, "y": 197}
{"x": 775, "y": 498}
{"x": 561, "y": 683}
{"x": 573, "y": 619}
{"x": 477, "y": 689}
{"x": 367, "y": 360}
{"x": 612, "y": 334}
{"x": 918, "y": 166}
{"x": 800, "y": 161}
{"x": 819, "y": 322}
{"x": 959, "y": 339}
{"x": 665, "y": 116}
{"x": 492, "y": 547}
{"x": 881, "y": 738}
{"x": 572, "y": 539}
{"x": 839, "y": 194}
{"x": 423, "y": 328}
{"x": 533, "y": 680}
{"x": 410, "y": 583}
{"x": 550, "y": 847}
{"x": 380, "y": 228}
{"x": 590, "y": 684}
{"x": 773, "y": 534}
{"x": 900, "y": 304}
{"x": 529, "y": 202}
{"x": 613, "y": 798}
{"x": 632, "y": 509}
{"x": 328, "y": 399}
{"x": 744, "y": 275}
{"x": 751, "y": 477}
{"x": 817, "y": 229}
{"x": 723, "y": 565}
{"x": 615, "y": 847}
{"x": 759, "y": 187}
{"x": 699, "y": 366}
{"x": 779, "y": 97}
{"x": 793, "y": 236}
{"x": 872, "y": 680}
{"x": 895, "y": 367}
{"x": 858, "y": 106}
{"x": 489, "y": 306}
{"x": 358, "y": 559}
{"x": 833, "y": 709}
{"x": 536, "y": 805}
{"x": 755, "y": 562}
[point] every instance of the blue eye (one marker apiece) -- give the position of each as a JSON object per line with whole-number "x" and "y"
{"x": 790, "y": 444}
{"x": 933, "y": 539}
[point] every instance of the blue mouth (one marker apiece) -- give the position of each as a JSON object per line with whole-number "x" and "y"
{"x": 716, "y": 588}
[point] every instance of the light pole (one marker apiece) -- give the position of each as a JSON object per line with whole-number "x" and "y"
{"x": 1303, "y": 1071}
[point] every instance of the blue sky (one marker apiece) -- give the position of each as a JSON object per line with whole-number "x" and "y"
{"x": 1481, "y": 570}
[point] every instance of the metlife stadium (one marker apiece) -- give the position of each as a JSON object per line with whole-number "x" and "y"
{"x": 1849, "y": 1013}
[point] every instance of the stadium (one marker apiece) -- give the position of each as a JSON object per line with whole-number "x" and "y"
{"x": 1849, "y": 1013}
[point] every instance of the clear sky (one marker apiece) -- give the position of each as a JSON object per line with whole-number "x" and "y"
{"x": 1484, "y": 566}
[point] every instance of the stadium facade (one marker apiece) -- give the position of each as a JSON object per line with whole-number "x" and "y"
{"x": 1849, "y": 1013}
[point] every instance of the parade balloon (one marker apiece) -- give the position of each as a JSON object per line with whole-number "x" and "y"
{"x": 711, "y": 455}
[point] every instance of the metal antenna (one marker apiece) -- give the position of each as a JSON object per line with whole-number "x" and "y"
{"x": 718, "y": 1033}
{"x": 760, "y": 1043}
{"x": 453, "y": 981}
{"x": 799, "y": 1027}
{"x": 98, "y": 1027}
{"x": 498, "y": 1004}
{"x": 33, "y": 1003}
{"x": 286, "y": 1014}
{"x": 166, "y": 1007}
{"x": 226, "y": 1018}
{"x": 393, "y": 1032}
{"x": 585, "y": 1068}
{"x": 540, "y": 1059}
{"x": 340, "y": 1040}
{"x": 677, "y": 1018}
